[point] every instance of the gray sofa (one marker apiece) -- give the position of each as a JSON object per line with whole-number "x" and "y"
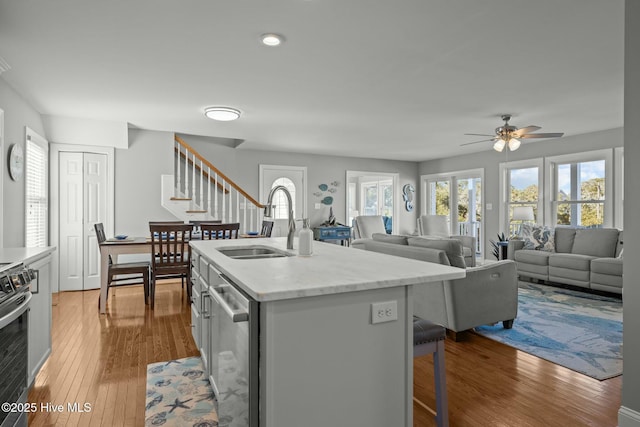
{"x": 588, "y": 258}
{"x": 488, "y": 294}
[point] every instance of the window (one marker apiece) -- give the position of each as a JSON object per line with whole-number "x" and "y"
{"x": 281, "y": 210}
{"x": 581, "y": 190}
{"x": 377, "y": 197}
{"x": 36, "y": 190}
{"x": 458, "y": 195}
{"x": 522, "y": 185}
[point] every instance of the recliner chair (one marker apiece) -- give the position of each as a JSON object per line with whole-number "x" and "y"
{"x": 437, "y": 227}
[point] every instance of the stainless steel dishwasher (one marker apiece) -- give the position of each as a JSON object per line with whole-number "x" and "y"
{"x": 234, "y": 352}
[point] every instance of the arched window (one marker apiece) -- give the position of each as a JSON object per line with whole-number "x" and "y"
{"x": 281, "y": 210}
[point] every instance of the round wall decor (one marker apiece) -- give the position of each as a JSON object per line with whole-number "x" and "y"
{"x": 16, "y": 162}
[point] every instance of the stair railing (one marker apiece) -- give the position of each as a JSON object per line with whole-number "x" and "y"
{"x": 211, "y": 192}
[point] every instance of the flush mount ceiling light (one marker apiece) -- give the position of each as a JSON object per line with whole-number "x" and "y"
{"x": 271, "y": 39}
{"x": 222, "y": 114}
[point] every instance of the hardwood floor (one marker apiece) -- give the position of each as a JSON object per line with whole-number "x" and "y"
{"x": 102, "y": 360}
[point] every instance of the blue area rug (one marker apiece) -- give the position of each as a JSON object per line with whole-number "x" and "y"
{"x": 179, "y": 394}
{"x": 579, "y": 331}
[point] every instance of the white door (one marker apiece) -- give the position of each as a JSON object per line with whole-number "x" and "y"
{"x": 95, "y": 200}
{"x": 82, "y": 183}
{"x": 292, "y": 177}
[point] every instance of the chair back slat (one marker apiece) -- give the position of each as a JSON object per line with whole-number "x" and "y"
{"x": 219, "y": 231}
{"x": 267, "y": 228}
{"x": 170, "y": 246}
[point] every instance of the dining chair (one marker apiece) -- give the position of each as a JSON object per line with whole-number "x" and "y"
{"x": 267, "y": 228}
{"x": 124, "y": 274}
{"x": 219, "y": 231}
{"x": 171, "y": 254}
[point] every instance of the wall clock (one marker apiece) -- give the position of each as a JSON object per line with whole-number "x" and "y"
{"x": 16, "y": 162}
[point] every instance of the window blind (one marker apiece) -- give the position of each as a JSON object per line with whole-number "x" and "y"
{"x": 37, "y": 194}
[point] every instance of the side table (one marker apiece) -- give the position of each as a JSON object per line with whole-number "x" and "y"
{"x": 503, "y": 249}
{"x": 339, "y": 232}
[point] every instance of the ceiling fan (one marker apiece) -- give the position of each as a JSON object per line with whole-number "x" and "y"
{"x": 510, "y": 136}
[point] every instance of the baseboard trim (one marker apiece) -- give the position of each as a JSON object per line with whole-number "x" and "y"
{"x": 628, "y": 417}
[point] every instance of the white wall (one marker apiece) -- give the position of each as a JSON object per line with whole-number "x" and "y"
{"x": 137, "y": 181}
{"x": 242, "y": 166}
{"x": 491, "y": 159}
{"x": 630, "y": 411}
{"x": 17, "y": 114}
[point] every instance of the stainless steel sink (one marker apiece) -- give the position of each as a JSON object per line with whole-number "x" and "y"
{"x": 253, "y": 252}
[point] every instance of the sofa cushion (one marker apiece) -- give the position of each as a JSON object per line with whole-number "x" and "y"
{"x": 571, "y": 261}
{"x": 452, "y": 247}
{"x": 563, "y": 239}
{"x": 390, "y": 238}
{"x": 611, "y": 266}
{"x": 531, "y": 256}
{"x": 538, "y": 237}
{"x": 597, "y": 242}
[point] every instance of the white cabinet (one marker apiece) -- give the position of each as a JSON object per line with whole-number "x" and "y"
{"x": 40, "y": 316}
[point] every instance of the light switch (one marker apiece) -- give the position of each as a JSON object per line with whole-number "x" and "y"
{"x": 317, "y": 206}
{"x": 489, "y": 206}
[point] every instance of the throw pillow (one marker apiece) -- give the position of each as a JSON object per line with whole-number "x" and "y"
{"x": 389, "y": 238}
{"x": 538, "y": 237}
{"x": 452, "y": 247}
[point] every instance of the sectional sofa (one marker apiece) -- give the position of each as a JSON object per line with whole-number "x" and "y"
{"x": 587, "y": 258}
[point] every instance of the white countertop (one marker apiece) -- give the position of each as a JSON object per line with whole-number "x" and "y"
{"x": 24, "y": 255}
{"x": 331, "y": 269}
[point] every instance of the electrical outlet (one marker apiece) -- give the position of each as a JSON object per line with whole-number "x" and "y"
{"x": 384, "y": 311}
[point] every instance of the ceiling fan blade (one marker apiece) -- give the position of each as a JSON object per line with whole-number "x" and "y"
{"x": 542, "y": 135}
{"x": 478, "y": 134}
{"x": 475, "y": 142}
{"x": 528, "y": 129}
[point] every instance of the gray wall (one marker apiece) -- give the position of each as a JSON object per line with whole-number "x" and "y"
{"x": 243, "y": 167}
{"x": 17, "y": 114}
{"x": 490, "y": 161}
{"x": 631, "y": 311}
{"x": 137, "y": 181}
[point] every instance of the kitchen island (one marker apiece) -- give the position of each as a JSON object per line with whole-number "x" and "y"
{"x": 334, "y": 332}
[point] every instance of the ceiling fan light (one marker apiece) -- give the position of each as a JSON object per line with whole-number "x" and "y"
{"x": 499, "y": 145}
{"x": 514, "y": 144}
{"x": 223, "y": 114}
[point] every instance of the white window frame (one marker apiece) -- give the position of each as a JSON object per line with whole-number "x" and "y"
{"x": 588, "y": 156}
{"x": 352, "y": 175}
{"x": 452, "y": 177}
{"x": 379, "y": 184}
{"x": 618, "y": 203}
{"x": 31, "y": 137}
{"x": 505, "y": 186}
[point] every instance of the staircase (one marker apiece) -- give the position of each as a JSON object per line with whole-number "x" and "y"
{"x": 198, "y": 191}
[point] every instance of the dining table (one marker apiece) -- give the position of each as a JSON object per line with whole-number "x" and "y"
{"x": 130, "y": 245}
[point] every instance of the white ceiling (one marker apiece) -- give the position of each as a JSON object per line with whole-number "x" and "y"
{"x": 394, "y": 79}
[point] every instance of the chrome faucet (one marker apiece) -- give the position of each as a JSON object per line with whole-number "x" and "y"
{"x": 268, "y": 212}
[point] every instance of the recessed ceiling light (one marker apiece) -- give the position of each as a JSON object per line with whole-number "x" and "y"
{"x": 223, "y": 114}
{"x": 271, "y": 39}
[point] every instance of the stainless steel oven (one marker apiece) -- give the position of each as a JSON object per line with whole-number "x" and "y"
{"x": 14, "y": 357}
{"x": 234, "y": 347}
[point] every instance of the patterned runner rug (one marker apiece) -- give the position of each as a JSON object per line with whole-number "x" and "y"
{"x": 179, "y": 394}
{"x": 577, "y": 330}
